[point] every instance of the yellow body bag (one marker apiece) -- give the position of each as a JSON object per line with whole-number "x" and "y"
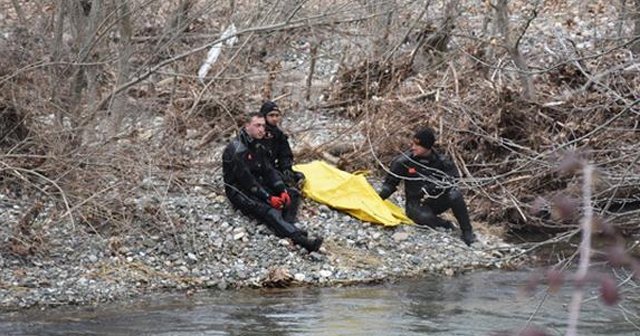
{"x": 348, "y": 192}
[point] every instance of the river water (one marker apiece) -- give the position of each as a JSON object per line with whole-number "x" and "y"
{"x": 478, "y": 303}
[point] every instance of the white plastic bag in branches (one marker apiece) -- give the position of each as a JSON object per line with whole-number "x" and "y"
{"x": 229, "y": 38}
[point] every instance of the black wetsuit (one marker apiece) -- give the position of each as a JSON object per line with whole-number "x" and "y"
{"x": 250, "y": 180}
{"x": 280, "y": 154}
{"x": 430, "y": 190}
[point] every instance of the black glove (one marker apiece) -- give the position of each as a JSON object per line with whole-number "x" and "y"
{"x": 288, "y": 176}
{"x": 299, "y": 176}
{"x": 292, "y": 178}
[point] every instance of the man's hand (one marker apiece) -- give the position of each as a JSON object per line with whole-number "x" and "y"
{"x": 289, "y": 177}
{"x": 300, "y": 178}
{"x": 276, "y": 202}
{"x": 285, "y": 198}
{"x": 293, "y": 177}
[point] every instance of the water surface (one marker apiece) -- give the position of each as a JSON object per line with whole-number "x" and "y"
{"x": 480, "y": 303}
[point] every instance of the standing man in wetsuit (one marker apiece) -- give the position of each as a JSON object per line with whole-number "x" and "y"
{"x": 254, "y": 187}
{"x": 429, "y": 183}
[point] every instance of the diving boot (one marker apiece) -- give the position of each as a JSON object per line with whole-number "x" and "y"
{"x": 443, "y": 223}
{"x": 312, "y": 245}
{"x": 468, "y": 237}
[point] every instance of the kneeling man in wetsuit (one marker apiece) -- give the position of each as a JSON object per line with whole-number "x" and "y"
{"x": 429, "y": 183}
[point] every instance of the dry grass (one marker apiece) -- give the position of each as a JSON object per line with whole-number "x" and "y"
{"x": 350, "y": 257}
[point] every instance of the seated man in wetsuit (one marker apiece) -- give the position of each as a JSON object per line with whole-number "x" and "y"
{"x": 277, "y": 144}
{"x": 256, "y": 188}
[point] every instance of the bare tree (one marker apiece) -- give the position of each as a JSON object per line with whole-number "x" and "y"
{"x": 383, "y": 13}
{"x": 86, "y": 17}
{"x": 118, "y": 108}
{"x": 635, "y": 46}
{"x": 512, "y": 45}
{"x": 19, "y": 12}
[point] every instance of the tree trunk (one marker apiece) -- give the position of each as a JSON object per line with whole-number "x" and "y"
{"x": 85, "y": 17}
{"x": 312, "y": 69}
{"x": 56, "y": 50}
{"x": 635, "y": 46}
{"x": 179, "y": 20}
{"x": 381, "y": 24}
{"x": 117, "y": 109}
{"x": 502, "y": 19}
{"x": 21, "y": 17}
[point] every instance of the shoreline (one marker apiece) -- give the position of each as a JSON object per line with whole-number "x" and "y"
{"x": 225, "y": 250}
{"x": 198, "y": 241}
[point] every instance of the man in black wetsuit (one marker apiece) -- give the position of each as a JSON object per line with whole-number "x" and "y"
{"x": 277, "y": 144}
{"x": 429, "y": 183}
{"x": 254, "y": 187}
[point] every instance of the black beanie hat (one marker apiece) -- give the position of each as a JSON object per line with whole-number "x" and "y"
{"x": 425, "y": 137}
{"x": 267, "y": 107}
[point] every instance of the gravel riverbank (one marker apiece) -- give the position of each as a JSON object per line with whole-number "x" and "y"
{"x": 206, "y": 244}
{"x": 226, "y": 250}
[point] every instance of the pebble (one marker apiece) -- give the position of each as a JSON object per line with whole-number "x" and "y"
{"x": 400, "y": 236}
{"x": 325, "y": 274}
